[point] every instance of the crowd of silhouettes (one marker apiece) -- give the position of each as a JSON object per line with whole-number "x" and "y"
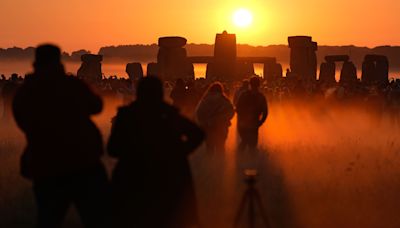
{"x": 151, "y": 185}
{"x": 186, "y": 93}
{"x": 152, "y": 135}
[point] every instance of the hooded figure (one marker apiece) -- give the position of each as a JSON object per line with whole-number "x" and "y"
{"x": 214, "y": 114}
{"x": 152, "y": 182}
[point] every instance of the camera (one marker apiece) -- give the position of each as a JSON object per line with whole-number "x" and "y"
{"x": 250, "y": 176}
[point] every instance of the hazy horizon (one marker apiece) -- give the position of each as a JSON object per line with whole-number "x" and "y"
{"x": 73, "y": 24}
{"x": 211, "y": 43}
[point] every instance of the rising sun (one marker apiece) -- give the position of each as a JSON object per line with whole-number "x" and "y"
{"x": 242, "y": 18}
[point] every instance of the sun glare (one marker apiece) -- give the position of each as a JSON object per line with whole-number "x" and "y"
{"x": 242, "y": 18}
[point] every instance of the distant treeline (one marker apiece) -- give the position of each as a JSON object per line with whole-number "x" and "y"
{"x": 148, "y": 53}
{"x": 16, "y": 53}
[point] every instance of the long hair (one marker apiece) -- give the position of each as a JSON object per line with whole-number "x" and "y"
{"x": 215, "y": 87}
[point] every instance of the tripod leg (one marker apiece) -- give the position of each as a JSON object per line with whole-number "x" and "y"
{"x": 261, "y": 208}
{"x": 251, "y": 218}
{"x": 241, "y": 209}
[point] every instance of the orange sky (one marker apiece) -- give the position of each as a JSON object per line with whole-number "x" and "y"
{"x": 90, "y": 24}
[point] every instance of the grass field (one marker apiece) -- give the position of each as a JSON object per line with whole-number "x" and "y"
{"x": 318, "y": 167}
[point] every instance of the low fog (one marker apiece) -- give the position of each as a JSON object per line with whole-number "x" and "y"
{"x": 320, "y": 165}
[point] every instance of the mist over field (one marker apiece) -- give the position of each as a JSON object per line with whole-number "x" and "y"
{"x": 320, "y": 165}
{"x": 19, "y": 60}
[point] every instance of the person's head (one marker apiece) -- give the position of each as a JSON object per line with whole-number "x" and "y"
{"x": 14, "y": 77}
{"x": 245, "y": 84}
{"x": 48, "y": 60}
{"x": 150, "y": 89}
{"x": 216, "y": 88}
{"x": 254, "y": 83}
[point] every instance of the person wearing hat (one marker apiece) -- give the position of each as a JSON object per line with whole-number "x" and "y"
{"x": 64, "y": 147}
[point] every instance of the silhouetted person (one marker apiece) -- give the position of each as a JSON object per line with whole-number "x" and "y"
{"x": 8, "y": 91}
{"x": 252, "y": 110}
{"x": 243, "y": 88}
{"x": 62, "y": 157}
{"x": 214, "y": 114}
{"x": 152, "y": 183}
{"x": 193, "y": 96}
{"x": 178, "y": 94}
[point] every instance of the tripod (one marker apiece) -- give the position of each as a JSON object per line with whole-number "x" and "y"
{"x": 252, "y": 198}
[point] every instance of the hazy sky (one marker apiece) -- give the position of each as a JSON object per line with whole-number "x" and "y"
{"x": 90, "y": 24}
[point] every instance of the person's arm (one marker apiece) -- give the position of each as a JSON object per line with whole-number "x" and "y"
{"x": 192, "y": 135}
{"x": 90, "y": 102}
{"x": 240, "y": 103}
{"x": 118, "y": 137}
{"x": 231, "y": 110}
{"x": 264, "y": 110}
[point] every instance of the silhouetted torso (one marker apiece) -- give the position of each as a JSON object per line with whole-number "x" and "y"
{"x": 252, "y": 109}
{"x": 54, "y": 112}
{"x": 178, "y": 96}
{"x": 214, "y": 114}
{"x": 152, "y": 183}
{"x": 62, "y": 156}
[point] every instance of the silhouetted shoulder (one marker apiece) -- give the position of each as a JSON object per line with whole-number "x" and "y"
{"x": 91, "y": 102}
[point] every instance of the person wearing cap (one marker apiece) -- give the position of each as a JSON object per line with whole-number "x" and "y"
{"x": 252, "y": 111}
{"x": 64, "y": 147}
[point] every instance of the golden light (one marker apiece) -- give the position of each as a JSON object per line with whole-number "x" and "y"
{"x": 242, "y": 18}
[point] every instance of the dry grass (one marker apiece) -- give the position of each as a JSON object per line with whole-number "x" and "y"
{"x": 318, "y": 167}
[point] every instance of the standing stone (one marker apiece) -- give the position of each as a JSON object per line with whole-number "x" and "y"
{"x": 348, "y": 73}
{"x": 278, "y": 71}
{"x": 382, "y": 69}
{"x": 134, "y": 71}
{"x": 90, "y": 70}
{"x": 327, "y": 72}
{"x": 272, "y": 71}
{"x": 224, "y": 65}
{"x": 375, "y": 69}
{"x": 303, "y": 58}
{"x": 245, "y": 69}
{"x": 172, "y": 59}
{"x": 152, "y": 69}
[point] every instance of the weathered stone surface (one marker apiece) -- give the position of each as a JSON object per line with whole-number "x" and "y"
{"x": 172, "y": 59}
{"x": 172, "y": 42}
{"x": 245, "y": 69}
{"x": 134, "y": 71}
{"x": 225, "y": 57}
{"x": 348, "y": 73}
{"x": 272, "y": 71}
{"x": 152, "y": 69}
{"x": 303, "y": 59}
{"x": 300, "y": 41}
{"x": 90, "y": 69}
{"x": 327, "y": 72}
{"x": 375, "y": 69}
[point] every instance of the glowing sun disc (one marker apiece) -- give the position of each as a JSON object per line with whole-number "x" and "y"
{"x": 242, "y": 18}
